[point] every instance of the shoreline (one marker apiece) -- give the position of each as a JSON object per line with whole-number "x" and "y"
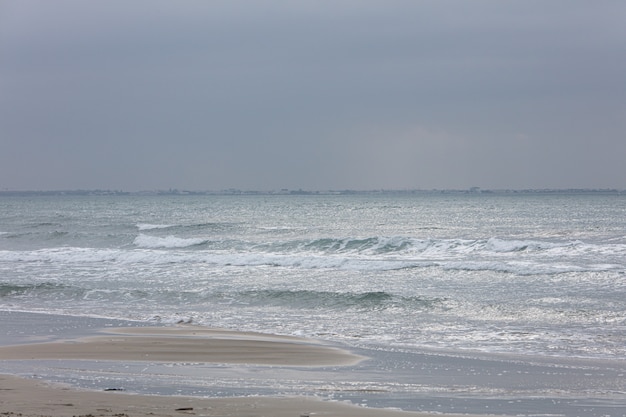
{"x": 32, "y": 395}
{"x": 23, "y": 397}
{"x": 55, "y": 365}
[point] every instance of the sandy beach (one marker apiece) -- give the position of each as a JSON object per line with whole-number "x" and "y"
{"x": 29, "y": 398}
{"x": 56, "y": 365}
{"x": 186, "y": 344}
{"x": 35, "y": 397}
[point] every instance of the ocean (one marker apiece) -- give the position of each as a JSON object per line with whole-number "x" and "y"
{"x": 529, "y": 275}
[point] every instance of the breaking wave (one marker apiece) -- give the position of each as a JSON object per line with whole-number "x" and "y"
{"x": 148, "y": 226}
{"x": 524, "y": 257}
{"x": 153, "y": 242}
{"x": 377, "y": 300}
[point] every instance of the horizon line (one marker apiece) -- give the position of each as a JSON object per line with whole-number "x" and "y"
{"x": 300, "y": 191}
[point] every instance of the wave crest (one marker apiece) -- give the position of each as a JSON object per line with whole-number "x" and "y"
{"x": 149, "y": 226}
{"x": 299, "y": 299}
{"x": 155, "y": 242}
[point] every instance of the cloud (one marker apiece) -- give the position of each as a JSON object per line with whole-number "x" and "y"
{"x": 280, "y": 94}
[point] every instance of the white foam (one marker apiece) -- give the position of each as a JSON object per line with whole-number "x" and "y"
{"x": 145, "y": 241}
{"x": 148, "y": 226}
{"x": 444, "y": 254}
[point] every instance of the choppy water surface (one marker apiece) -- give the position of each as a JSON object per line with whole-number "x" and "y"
{"x": 521, "y": 273}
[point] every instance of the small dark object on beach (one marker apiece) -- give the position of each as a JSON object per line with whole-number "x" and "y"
{"x": 184, "y": 409}
{"x": 114, "y": 389}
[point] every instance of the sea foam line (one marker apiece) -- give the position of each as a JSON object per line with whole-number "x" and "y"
{"x": 153, "y": 242}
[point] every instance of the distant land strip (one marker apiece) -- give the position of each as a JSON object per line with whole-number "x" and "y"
{"x": 285, "y": 191}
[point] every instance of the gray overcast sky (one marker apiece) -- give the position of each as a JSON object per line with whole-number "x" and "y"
{"x": 208, "y": 95}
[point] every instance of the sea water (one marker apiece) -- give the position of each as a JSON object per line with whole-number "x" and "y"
{"x": 530, "y": 274}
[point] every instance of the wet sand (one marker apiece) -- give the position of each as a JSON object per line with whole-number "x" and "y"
{"x": 81, "y": 366}
{"x": 23, "y": 397}
{"x": 29, "y": 398}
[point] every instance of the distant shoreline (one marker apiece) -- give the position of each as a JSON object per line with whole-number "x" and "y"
{"x": 283, "y": 192}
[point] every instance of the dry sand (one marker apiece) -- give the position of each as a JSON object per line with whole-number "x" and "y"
{"x": 28, "y": 397}
{"x": 187, "y": 344}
